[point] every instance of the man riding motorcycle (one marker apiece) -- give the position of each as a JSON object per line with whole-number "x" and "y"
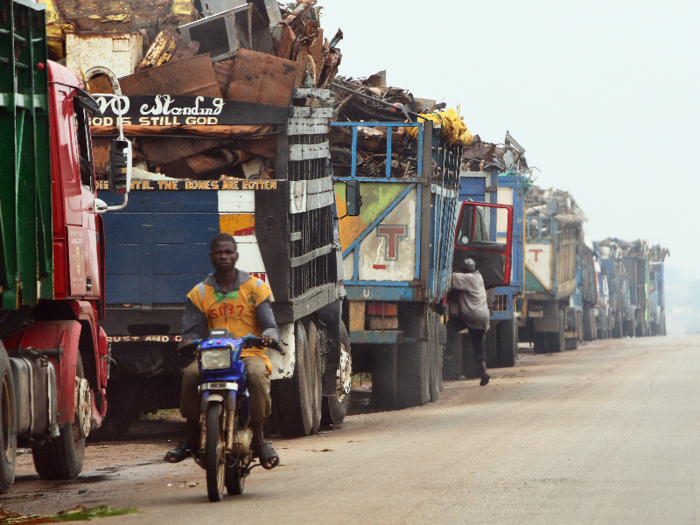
{"x": 230, "y": 299}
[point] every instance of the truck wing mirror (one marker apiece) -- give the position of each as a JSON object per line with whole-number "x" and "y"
{"x": 119, "y": 166}
{"x": 119, "y": 178}
{"x": 353, "y": 199}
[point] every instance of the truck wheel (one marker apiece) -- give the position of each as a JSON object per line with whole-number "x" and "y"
{"x": 291, "y": 402}
{"x": 570, "y": 343}
{"x": 639, "y": 322}
{"x": 662, "y": 325}
{"x": 589, "y": 325}
{"x": 335, "y": 408}
{"x": 316, "y": 367}
{"x": 62, "y": 457}
{"x": 507, "y": 342}
{"x": 540, "y": 343}
{"x": 414, "y": 367}
{"x": 435, "y": 352}
{"x": 452, "y": 361}
{"x": 385, "y": 377}
{"x": 442, "y": 339}
{"x": 617, "y": 330}
{"x": 556, "y": 341}
{"x": 8, "y": 433}
{"x": 491, "y": 347}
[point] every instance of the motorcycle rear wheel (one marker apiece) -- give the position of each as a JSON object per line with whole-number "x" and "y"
{"x": 214, "y": 452}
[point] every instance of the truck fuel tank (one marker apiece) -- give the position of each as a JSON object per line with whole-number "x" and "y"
{"x": 35, "y": 396}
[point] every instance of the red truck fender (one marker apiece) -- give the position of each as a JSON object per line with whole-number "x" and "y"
{"x": 63, "y": 336}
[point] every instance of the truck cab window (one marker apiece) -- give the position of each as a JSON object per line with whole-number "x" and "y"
{"x": 473, "y": 226}
{"x": 84, "y": 150}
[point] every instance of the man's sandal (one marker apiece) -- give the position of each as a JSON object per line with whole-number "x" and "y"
{"x": 269, "y": 459}
{"x": 179, "y": 453}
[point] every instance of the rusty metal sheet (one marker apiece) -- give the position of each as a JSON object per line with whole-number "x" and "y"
{"x": 168, "y": 149}
{"x": 191, "y": 76}
{"x": 283, "y": 49}
{"x": 266, "y": 79}
{"x": 115, "y": 16}
{"x": 215, "y": 162}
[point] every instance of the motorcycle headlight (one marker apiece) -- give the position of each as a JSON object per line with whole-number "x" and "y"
{"x": 216, "y": 359}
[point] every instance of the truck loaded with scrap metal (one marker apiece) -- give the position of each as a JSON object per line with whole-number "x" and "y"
{"x": 639, "y": 299}
{"x": 554, "y": 230}
{"x": 403, "y": 158}
{"x": 54, "y": 358}
{"x": 230, "y": 135}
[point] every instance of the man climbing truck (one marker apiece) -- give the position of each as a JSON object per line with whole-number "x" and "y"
{"x": 54, "y": 360}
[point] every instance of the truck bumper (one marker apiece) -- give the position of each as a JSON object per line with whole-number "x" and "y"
{"x": 376, "y": 337}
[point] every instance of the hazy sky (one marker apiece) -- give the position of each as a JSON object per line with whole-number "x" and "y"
{"x": 601, "y": 94}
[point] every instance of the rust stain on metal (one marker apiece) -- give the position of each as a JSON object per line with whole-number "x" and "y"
{"x": 265, "y": 79}
{"x": 191, "y": 76}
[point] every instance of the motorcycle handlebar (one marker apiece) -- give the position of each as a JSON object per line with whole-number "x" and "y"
{"x": 248, "y": 343}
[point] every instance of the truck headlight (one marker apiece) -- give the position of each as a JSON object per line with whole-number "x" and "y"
{"x": 216, "y": 359}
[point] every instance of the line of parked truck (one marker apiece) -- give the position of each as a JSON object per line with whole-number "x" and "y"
{"x": 353, "y": 200}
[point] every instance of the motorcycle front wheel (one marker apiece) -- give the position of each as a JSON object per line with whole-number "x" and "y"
{"x": 214, "y": 452}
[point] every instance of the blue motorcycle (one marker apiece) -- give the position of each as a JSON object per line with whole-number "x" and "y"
{"x": 225, "y": 436}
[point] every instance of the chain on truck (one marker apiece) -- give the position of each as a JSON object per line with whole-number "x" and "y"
{"x": 54, "y": 359}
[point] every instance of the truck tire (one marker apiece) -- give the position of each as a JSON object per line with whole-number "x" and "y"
{"x": 556, "y": 341}
{"x": 435, "y": 349}
{"x": 8, "y": 432}
{"x": 335, "y": 408}
{"x": 590, "y": 331}
{"x": 639, "y": 330}
{"x": 442, "y": 332}
{"x": 414, "y": 369}
{"x": 540, "y": 341}
{"x": 292, "y": 408}
{"x": 454, "y": 351}
{"x": 662, "y": 324}
{"x": 617, "y": 326}
{"x": 507, "y": 341}
{"x": 491, "y": 347}
{"x": 62, "y": 457}
{"x": 385, "y": 377}
{"x": 316, "y": 368}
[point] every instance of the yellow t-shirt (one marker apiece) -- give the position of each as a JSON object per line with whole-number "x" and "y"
{"x": 234, "y": 311}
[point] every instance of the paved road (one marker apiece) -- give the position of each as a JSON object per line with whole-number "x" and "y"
{"x": 605, "y": 434}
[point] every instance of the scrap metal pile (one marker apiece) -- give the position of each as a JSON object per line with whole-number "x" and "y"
{"x": 176, "y": 51}
{"x": 554, "y": 203}
{"x": 638, "y": 248}
{"x": 371, "y": 100}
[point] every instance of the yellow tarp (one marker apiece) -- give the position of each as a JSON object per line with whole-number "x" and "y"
{"x": 453, "y": 128}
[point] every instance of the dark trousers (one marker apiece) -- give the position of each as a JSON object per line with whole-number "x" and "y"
{"x": 477, "y": 338}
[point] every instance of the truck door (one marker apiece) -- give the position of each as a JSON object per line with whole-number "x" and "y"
{"x": 478, "y": 223}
